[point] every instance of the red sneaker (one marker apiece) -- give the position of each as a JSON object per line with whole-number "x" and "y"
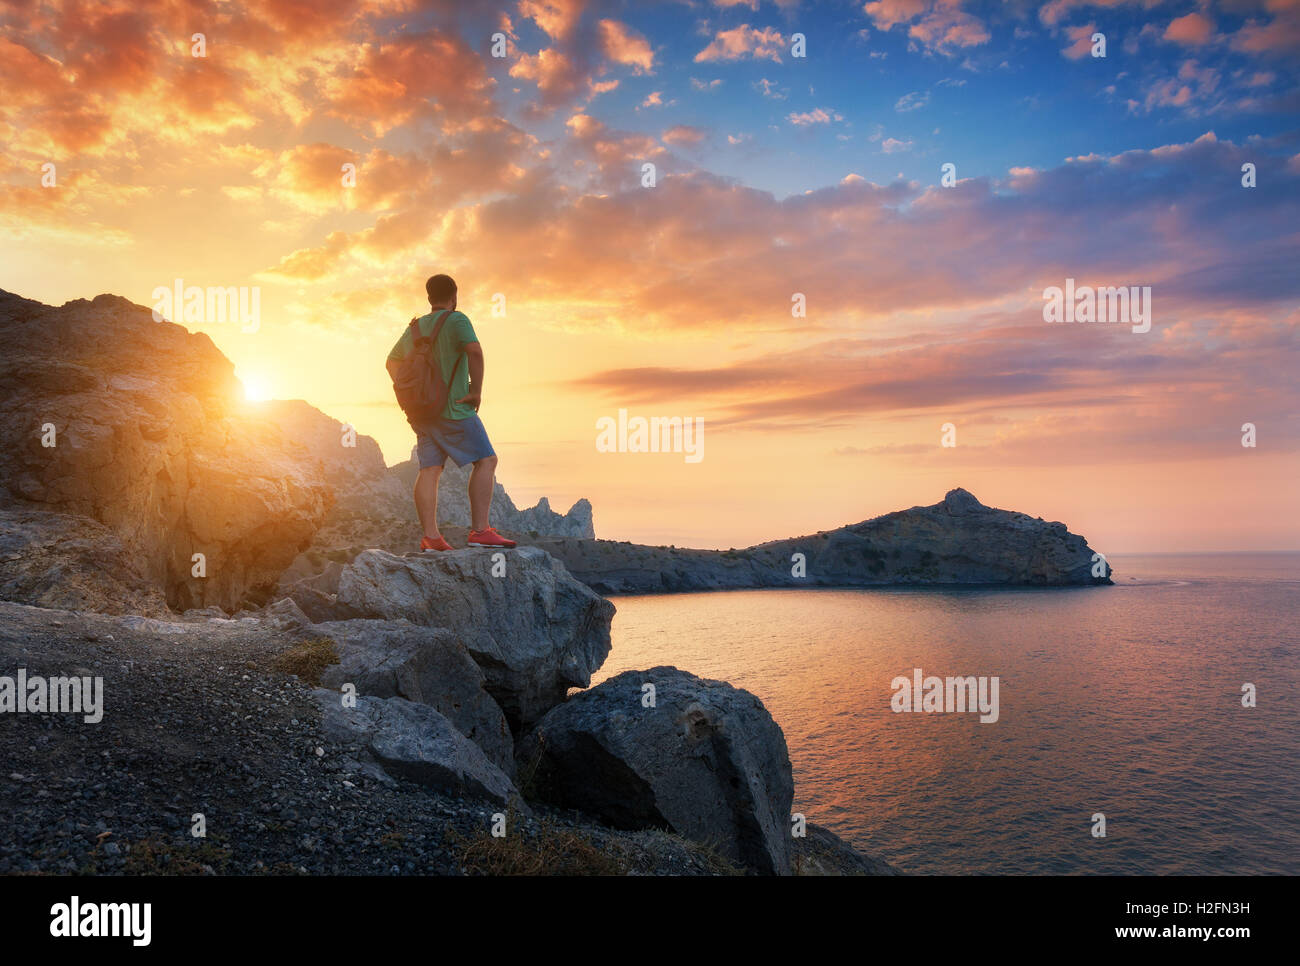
{"x": 428, "y": 546}
{"x": 488, "y": 537}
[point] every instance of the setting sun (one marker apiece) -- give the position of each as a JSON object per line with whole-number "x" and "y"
{"x": 257, "y": 388}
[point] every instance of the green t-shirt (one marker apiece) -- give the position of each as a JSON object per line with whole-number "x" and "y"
{"x": 450, "y": 349}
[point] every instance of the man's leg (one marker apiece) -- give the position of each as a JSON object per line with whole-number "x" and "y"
{"x": 481, "y": 479}
{"x": 426, "y": 500}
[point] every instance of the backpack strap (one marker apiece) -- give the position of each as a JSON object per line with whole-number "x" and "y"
{"x": 437, "y": 329}
{"x": 414, "y": 326}
{"x": 446, "y": 314}
{"x": 432, "y": 338}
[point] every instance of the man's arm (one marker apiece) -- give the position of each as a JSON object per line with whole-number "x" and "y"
{"x": 474, "y": 354}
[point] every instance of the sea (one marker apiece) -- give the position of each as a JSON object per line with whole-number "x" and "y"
{"x": 1121, "y": 710}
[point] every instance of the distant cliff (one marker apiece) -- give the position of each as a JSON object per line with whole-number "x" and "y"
{"x": 956, "y": 542}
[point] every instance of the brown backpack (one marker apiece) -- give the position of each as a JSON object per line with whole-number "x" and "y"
{"x": 417, "y": 382}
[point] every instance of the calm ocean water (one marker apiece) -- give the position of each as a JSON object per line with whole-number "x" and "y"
{"x": 1124, "y": 700}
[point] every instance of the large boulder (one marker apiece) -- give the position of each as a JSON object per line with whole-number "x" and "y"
{"x": 706, "y": 761}
{"x": 140, "y": 426}
{"x": 415, "y": 742}
{"x": 534, "y": 630}
{"x": 426, "y": 665}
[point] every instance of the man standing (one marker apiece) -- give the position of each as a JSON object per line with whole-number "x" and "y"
{"x": 458, "y": 432}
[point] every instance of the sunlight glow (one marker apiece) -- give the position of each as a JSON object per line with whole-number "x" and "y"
{"x": 256, "y": 388}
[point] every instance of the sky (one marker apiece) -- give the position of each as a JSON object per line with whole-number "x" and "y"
{"x": 838, "y": 261}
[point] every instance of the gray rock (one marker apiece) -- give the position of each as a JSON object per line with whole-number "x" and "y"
{"x": 416, "y": 742}
{"x": 707, "y": 761}
{"x": 426, "y": 665}
{"x": 287, "y": 613}
{"x": 318, "y": 605}
{"x": 962, "y": 501}
{"x": 70, "y": 562}
{"x": 536, "y": 632}
{"x": 822, "y": 852}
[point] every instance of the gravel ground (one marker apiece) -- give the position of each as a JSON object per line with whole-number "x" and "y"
{"x": 197, "y": 720}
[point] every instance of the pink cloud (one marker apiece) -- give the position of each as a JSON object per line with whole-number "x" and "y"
{"x": 684, "y": 134}
{"x": 817, "y": 115}
{"x": 1193, "y": 30}
{"x": 742, "y": 42}
{"x": 1281, "y": 35}
{"x": 1081, "y": 41}
{"x": 937, "y": 25}
{"x": 557, "y": 18}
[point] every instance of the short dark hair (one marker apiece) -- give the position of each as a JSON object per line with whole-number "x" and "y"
{"x": 440, "y": 288}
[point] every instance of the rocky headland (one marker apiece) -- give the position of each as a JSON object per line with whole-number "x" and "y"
{"x": 957, "y": 542}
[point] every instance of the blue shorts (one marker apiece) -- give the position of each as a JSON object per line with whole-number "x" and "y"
{"x": 463, "y": 440}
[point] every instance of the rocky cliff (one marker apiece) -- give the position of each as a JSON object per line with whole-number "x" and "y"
{"x": 136, "y": 425}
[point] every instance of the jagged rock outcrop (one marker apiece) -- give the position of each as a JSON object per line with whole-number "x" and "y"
{"x": 541, "y": 519}
{"x": 706, "y": 761}
{"x": 424, "y": 665}
{"x": 532, "y": 628}
{"x": 958, "y": 541}
{"x": 415, "y": 741}
{"x": 138, "y": 425}
{"x": 453, "y": 505}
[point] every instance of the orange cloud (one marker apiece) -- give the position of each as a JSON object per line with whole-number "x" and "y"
{"x": 557, "y": 17}
{"x": 555, "y": 75}
{"x": 937, "y": 25}
{"x": 432, "y": 74}
{"x": 624, "y": 46}
{"x": 684, "y": 134}
{"x": 744, "y": 41}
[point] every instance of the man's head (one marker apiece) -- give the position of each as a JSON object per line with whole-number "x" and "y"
{"x": 441, "y": 290}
